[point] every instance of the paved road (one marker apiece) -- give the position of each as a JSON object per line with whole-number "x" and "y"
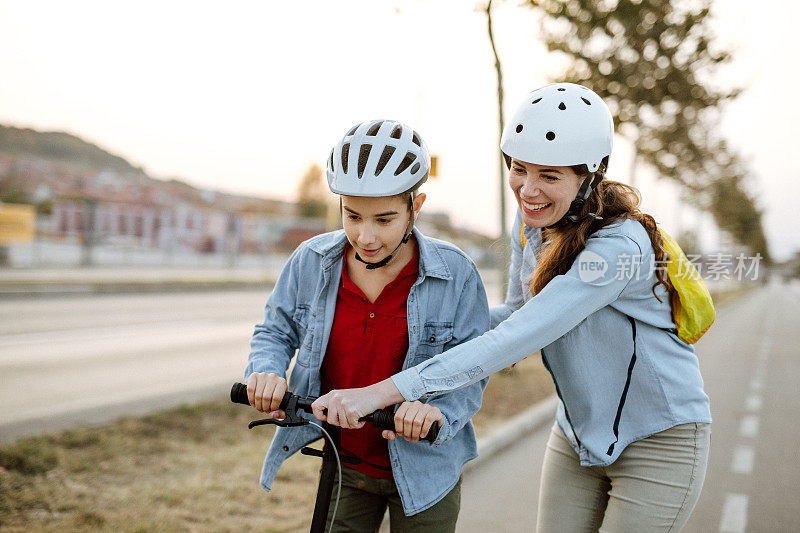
{"x": 86, "y": 359}
{"x": 70, "y": 360}
{"x": 751, "y": 365}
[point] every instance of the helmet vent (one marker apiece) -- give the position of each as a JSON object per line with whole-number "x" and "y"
{"x": 373, "y": 130}
{"x": 519, "y": 128}
{"x": 550, "y": 135}
{"x": 331, "y": 162}
{"x": 345, "y": 154}
{"x": 585, "y": 101}
{"x": 405, "y": 163}
{"x": 396, "y": 132}
{"x": 561, "y": 89}
{"x": 352, "y": 130}
{"x": 363, "y": 155}
{"x": 415, "y": 139}
{"x": 536, "y": 101}
{"x": 561, "y": 106}
{"x": 385, "y": 156}
{"x": 415, "y": 168}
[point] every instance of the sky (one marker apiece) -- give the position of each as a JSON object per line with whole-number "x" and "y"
{"x": 245, "y": 97}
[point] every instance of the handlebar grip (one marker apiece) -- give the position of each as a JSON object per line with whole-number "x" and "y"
{"x": 384, "y": 420}
{"x": 239, "y": 394}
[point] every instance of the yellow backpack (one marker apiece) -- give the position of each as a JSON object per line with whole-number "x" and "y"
{"x": 692, "y": 307}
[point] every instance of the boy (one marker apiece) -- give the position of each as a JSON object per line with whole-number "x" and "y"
{"x": 361, "y": 304}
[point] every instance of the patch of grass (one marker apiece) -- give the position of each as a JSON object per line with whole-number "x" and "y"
{"x": 192, "y": 468}
{"x": 76, "y": 438}
{"x": 89, "y": 519}
{"x": 29, "y": 457}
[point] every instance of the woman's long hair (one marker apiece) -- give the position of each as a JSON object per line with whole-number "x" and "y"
{"x": 611, "y": 200}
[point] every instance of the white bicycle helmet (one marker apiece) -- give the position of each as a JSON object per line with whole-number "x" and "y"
{"x": 378, "y": 158}
{"x": 560, "y": 124}
{"x": 563, "y": 124}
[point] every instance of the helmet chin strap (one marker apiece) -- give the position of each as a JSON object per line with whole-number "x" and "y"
{"x": 576, "y": 206}
{"x": 392, "y": 256}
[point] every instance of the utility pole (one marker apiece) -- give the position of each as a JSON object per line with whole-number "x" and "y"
{"x": 504, "y": 238}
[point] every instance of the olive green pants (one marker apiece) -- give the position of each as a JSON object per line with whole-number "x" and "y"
{"x": 652, "y": 486}
{"x": 364, "y": 500}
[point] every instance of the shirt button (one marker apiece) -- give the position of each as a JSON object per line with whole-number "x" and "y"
{"x": 432, "y": 339}
{"x": 372, "y": 315}
{"x": 286, "y": 448}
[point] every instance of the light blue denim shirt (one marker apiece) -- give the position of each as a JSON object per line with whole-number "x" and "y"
{"x": 620, "y": 370}
{"x": 446, "y": 306}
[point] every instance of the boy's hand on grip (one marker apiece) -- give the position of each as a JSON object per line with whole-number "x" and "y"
{"x": 265, "y": 392}
{"x": 413, "y": 420}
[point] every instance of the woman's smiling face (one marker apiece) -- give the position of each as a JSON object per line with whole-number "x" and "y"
{"x": 544, "y": 193}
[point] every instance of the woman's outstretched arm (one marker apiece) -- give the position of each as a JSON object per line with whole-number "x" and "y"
{"x": 559, "y": 307}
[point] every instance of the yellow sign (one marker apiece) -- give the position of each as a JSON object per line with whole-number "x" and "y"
{"x": 434, "y": 165}
{"x": 17, "y": 223}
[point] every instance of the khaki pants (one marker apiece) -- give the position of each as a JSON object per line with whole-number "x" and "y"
{"x": 652, "y": 486}
{"x": 364, "y": 500}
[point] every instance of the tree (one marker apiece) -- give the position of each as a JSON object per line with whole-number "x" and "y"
{"x": 311, "y": 193}
{"x": 733, "y": 207}
{"x": 13, "y": 189}
{"x": 652, "y": 61}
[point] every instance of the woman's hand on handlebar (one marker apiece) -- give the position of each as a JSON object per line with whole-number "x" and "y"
{"x": 346, "y": 406}
{"x": 265, "y": 392}
{"x": 413, "y": 420}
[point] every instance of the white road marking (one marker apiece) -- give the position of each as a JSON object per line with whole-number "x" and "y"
{"x": 734, "y": 514}
{"x": 753, "y": 403}
{"x": 749, "y": 426}
{"x": 742, "y": 460}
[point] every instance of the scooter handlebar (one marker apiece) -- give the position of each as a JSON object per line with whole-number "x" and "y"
{"x": 380, "y": 419}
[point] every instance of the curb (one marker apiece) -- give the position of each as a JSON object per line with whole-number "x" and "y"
{"x": 94, "y": 288}
{"x": 509, "y": 432}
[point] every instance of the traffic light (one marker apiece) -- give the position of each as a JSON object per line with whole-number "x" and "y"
{"x": 434, "y": 164}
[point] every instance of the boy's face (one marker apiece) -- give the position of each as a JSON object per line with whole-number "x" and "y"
{"x": 375, "y": 226}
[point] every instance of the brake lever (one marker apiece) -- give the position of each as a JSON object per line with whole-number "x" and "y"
{"x": 292, "y": 418}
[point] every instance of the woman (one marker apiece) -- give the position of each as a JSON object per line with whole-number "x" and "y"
{"x": 629, "y": 448}
{"x": 359, "y": 305}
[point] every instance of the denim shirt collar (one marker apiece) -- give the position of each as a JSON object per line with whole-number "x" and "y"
{"x": 331, "y": 246}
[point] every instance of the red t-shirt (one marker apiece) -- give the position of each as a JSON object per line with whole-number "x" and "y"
{"x": 368, "y": 343}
